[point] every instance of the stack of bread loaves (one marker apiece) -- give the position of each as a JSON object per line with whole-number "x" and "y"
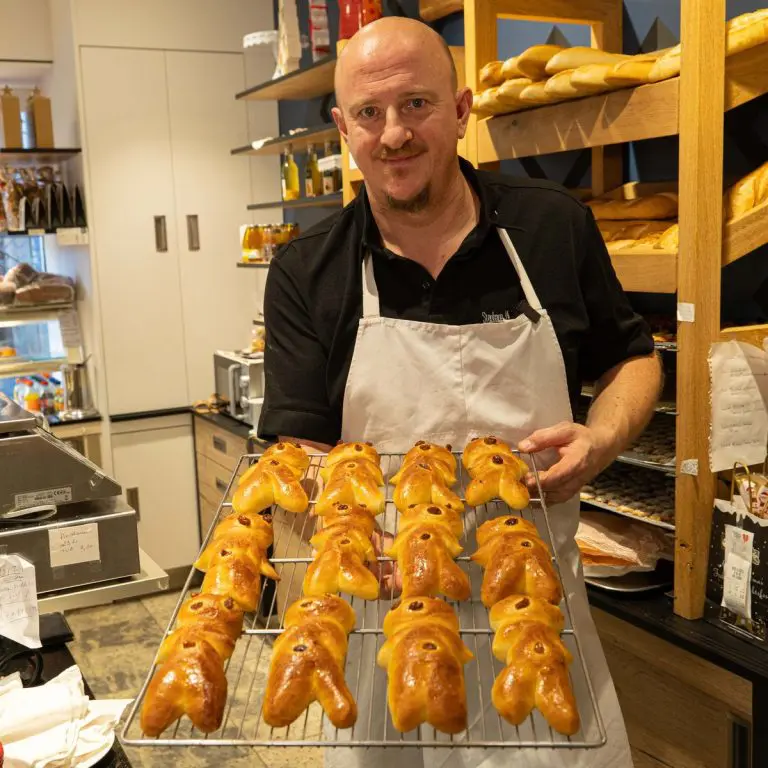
{"x": 190, "y": 678}
{"x": 545, "y": 74}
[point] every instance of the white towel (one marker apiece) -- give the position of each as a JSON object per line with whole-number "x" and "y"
{"x": 54, "y": 725}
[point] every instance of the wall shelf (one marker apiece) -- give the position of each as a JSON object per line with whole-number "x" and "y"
{"x": 253, "y": 264}
{"x": 37, "y": 156}
{"x": 631, "y": 114}
{"x": 19, "y": 73}
{"x": 322, "y": 201}
{"x": 299, "y": 141}
{"x": 302, "y": 84}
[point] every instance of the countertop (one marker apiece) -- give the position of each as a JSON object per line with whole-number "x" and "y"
{"x": 653, "y": 613}
{"x": 222, "y": 420}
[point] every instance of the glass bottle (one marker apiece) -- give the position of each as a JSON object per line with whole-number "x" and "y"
{"x": 329, "y": 176}
{"x": 290, "y": 176}
{"x": 313, "y": 183}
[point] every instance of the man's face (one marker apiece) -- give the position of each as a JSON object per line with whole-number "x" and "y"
{"x": 402, "y": 119}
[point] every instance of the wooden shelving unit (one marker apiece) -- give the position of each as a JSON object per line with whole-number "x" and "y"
{"x": 37, "y": 156}
{"x": 302, "y": 84}
{"x": 299, "y": 141}
{"x": 322, "y": 201}
{"x": 691, "y": 106}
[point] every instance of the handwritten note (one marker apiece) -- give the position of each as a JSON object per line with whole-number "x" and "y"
{"x": 74, "y": 544}
{"x": 19, "y": 619}
{"x": 739, "y": 380}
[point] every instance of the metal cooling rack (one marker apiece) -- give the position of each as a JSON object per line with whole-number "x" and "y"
{"x": 243, "y": 725}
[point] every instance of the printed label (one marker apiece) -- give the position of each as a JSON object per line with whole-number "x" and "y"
{"x": 38, "y": 498}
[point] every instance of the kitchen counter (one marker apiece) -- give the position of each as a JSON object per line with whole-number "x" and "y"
{"x": 222, "y": 420}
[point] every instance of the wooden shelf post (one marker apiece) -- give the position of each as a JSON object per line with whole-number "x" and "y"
{"x": 702, "y": 95}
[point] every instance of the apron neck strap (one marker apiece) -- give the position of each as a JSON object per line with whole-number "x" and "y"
{"x": 371, "y": 305}
{"x": 525, "y": 282}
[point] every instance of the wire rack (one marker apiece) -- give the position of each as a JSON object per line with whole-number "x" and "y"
{"x": 248, "y": 668}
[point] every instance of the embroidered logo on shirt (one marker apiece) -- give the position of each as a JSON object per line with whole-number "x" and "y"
{"x": 496, "y": 317}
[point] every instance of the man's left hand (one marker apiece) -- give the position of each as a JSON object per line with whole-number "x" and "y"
{"x": 584, "y": 453}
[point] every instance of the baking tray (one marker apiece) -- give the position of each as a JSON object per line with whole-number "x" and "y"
{"x": 247, "y": 669}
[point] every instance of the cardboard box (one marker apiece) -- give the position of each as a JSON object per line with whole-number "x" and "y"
{"x": 41, "y": 120}
{"x": 11, "y": 113}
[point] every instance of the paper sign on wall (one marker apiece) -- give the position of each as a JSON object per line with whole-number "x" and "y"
{"x": 739, "y": 382}
{"x": 19, "y": 618}
{"x": 74, "y": 544}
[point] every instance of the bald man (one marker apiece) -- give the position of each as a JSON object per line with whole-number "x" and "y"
{"x": 445, "y": 303}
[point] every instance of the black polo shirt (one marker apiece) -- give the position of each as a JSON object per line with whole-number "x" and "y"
{"x": 313, "y": 297}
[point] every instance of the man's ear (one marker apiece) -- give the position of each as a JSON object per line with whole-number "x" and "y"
{"x": 338, "y": 118}
{"x": 463, "y": 109}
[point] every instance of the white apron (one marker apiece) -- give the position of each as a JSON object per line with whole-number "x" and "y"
{"x": 413, "y": 381}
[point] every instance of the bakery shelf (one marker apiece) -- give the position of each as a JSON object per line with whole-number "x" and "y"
{"x": 298, "y": 141}
{"x": 307, "y": 83}
{"x": 631, "y": 114}
{"x": 321, "y": 201}
{"x": 20, "y": 157}
{"x": 751, "y": 334}
{"x": 746, "y": 233}
{"x": 652, "y": 271}
{"x": 253, "y": 264}
{"x": 432, "y": 10}
{"x": 11, "y": 366}
{"x": 628, "y": 492}
{"x": 246, "y": 671}
{"x": 34, "y": 313}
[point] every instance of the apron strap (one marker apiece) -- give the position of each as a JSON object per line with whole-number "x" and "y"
{"x": 371, "y": 306}
{"x": 528, "y": 291}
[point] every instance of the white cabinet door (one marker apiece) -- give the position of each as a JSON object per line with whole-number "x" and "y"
{"x": 160, "y": 465}
{"x": 218, "y": 299}
{"x": 128, "y": 149}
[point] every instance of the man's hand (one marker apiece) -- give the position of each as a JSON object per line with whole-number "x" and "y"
{"x": 584, "y": 453}
{"x": 386, "y": 572}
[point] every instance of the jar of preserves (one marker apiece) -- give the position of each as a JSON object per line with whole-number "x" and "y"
{"x": 253, "y": 243}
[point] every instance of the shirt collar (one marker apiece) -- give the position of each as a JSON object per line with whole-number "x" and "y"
{"x": 371, "y": 239}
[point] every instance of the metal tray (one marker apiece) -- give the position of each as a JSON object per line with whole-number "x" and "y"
{"x": 247, "y": 669}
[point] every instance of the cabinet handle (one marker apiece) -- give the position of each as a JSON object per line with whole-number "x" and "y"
{"x": 161, "y": 235}
{"x": 193, "y": 233}
{"x": 221, "y": 485}
{"x": 132, "y": 497}
{"x": 219, "y": 444}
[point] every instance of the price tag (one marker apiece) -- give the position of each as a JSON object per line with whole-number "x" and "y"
{"x": 74, "y": 544}
{"x": 69, "y": 324}
{"x": 737, "y": 571}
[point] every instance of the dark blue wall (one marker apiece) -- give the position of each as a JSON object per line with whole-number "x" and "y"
{"x": 648, "y": 24}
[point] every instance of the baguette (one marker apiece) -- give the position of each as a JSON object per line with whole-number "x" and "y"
{"x": 660, "y": 206}
{"x": 591, "y": 78}
{"x": 533, "y": 61}
{"x": 579, "y": 56}
{"x": 509, "y": 69}
{"x": 630, "y": 73}
{"x": 560, "y": 86}
{"x": 747, "y": 193}
{"x": 630, "y": 230}
{"x": 743, "y": 32}
{"x": 536, "y": 93}
{"x": 509, "y": 92}
{"x": 670, "y": 239}
{"x": 490, "y": 74}
{"x": 488, "y": 103}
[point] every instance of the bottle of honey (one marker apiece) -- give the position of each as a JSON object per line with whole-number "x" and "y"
{"x": 290, "y": 176}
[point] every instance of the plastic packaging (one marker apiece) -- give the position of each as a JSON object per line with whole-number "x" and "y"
{"x": 318, "y": 29}
{"x": 354, "y": 14}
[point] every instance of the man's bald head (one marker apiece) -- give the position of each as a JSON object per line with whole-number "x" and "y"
{"x": 375, "y": 43}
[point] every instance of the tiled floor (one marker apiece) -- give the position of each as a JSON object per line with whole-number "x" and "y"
{"x": 114, "y": 647}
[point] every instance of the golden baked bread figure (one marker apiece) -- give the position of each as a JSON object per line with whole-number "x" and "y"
{"x": 440, "y": 458}
{"x": 528, "y": 640}
{"x": 343, "y": 549}
{"x": 251, "y": 533}
{"x": 424, "y": 657}
{"x": 352, "y": 481}
{"x": 425, "y": 553}
{"x": 289, "y": 453}
{"x": 231, "y": 574}
{"x": 308, "y": 663}
{"x": 422, "y": 482}
{"x": 191, "y": 681}
{"x": 515, "y": 560}
{"x": 344, "y": 452}
{"x": 496, "y": 472}
{"x": 270, "y": 481}
{"x": 431, "y": 513}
